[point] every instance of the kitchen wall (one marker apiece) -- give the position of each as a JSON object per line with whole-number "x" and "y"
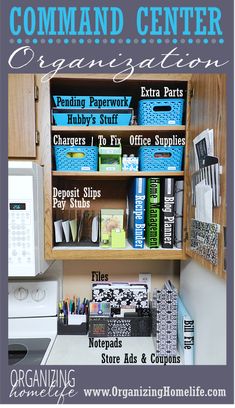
{"x": 78, "y": 275}
{"x": 204, "y": 295}
{"x": 75, "y": 277}
{"x": 54, "y": 272}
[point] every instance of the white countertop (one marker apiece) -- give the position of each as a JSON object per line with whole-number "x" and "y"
{"x": 75, "y": 350}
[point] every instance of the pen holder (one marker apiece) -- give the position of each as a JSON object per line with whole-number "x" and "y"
{"x": 73, "y": 325}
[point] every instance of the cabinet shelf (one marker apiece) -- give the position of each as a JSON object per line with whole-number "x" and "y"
{"x": 105, "y": 129}
{"x": 119, "y": 174}
{"x": 83, "y": 253}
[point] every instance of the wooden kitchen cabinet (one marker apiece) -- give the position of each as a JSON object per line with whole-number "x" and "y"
{"x": 205, "y": 108}
{"x": 21, "y": 116}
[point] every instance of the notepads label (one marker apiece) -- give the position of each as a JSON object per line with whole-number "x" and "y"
{"x": 104, "y": 344}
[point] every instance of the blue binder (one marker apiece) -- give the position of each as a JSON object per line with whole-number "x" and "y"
{"x": 136, "y": 221}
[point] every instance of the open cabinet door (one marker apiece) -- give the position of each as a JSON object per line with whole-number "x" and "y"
{"x": 208, "y": 111}
{"x": 21, "y": 116}
{"x": 43, "y": 110}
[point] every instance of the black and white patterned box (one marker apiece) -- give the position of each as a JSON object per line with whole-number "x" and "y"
{"x": 139, "y": 326}
{"x": 164, "y": 320}
{"x": 121, "y": 294}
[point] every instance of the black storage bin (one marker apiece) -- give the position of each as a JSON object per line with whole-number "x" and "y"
{"x": 73, "y": 329}
{"x": 120, "y": 326}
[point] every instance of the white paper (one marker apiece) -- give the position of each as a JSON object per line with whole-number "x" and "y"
{"x": 203, "y": 210}
{"x": 74, "y": 229}
{"x": 95, "y": 229}
{"x": 211, "y": 138}
{"x": 208, "y": 135}
{"x": 217, "y": 184}
{"x": 58, "y": 231}
{"x": 66, "y": 229}
{"x": 80, "y": 227}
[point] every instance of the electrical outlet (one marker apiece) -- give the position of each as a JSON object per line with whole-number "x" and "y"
{"x": 146, "y": 278}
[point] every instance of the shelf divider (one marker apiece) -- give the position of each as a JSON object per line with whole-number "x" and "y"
{"x": 119, "y": 174}
{"x": 81, "y": 253}
{"x": 111, "y": 129}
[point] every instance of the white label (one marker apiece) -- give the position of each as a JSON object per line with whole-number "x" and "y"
{"x": 140, "y": 186}
{"x": 168, "y": 186}
{"x": 76, "y": 319}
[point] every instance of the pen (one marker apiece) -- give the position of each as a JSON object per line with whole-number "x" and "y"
{"x": 67, "y": 302}
{"x": 78, "y": 305}
{"x": 86, "y": 309}
{"x": 65, "y": 311}
{"x": 60, "y": 307}
{"x": 82, "y": 308}
{"x": 71, "y": 306}
{"x": 74, "y": 305}
{"x": 64, "y": 308}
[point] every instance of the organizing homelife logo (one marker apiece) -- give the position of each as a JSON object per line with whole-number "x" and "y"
{"x": 51, "y": 383}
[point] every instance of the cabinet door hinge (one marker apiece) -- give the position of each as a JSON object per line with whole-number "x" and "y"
{"x": 37, "y": 137}
{"x": 36, "y": 93}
